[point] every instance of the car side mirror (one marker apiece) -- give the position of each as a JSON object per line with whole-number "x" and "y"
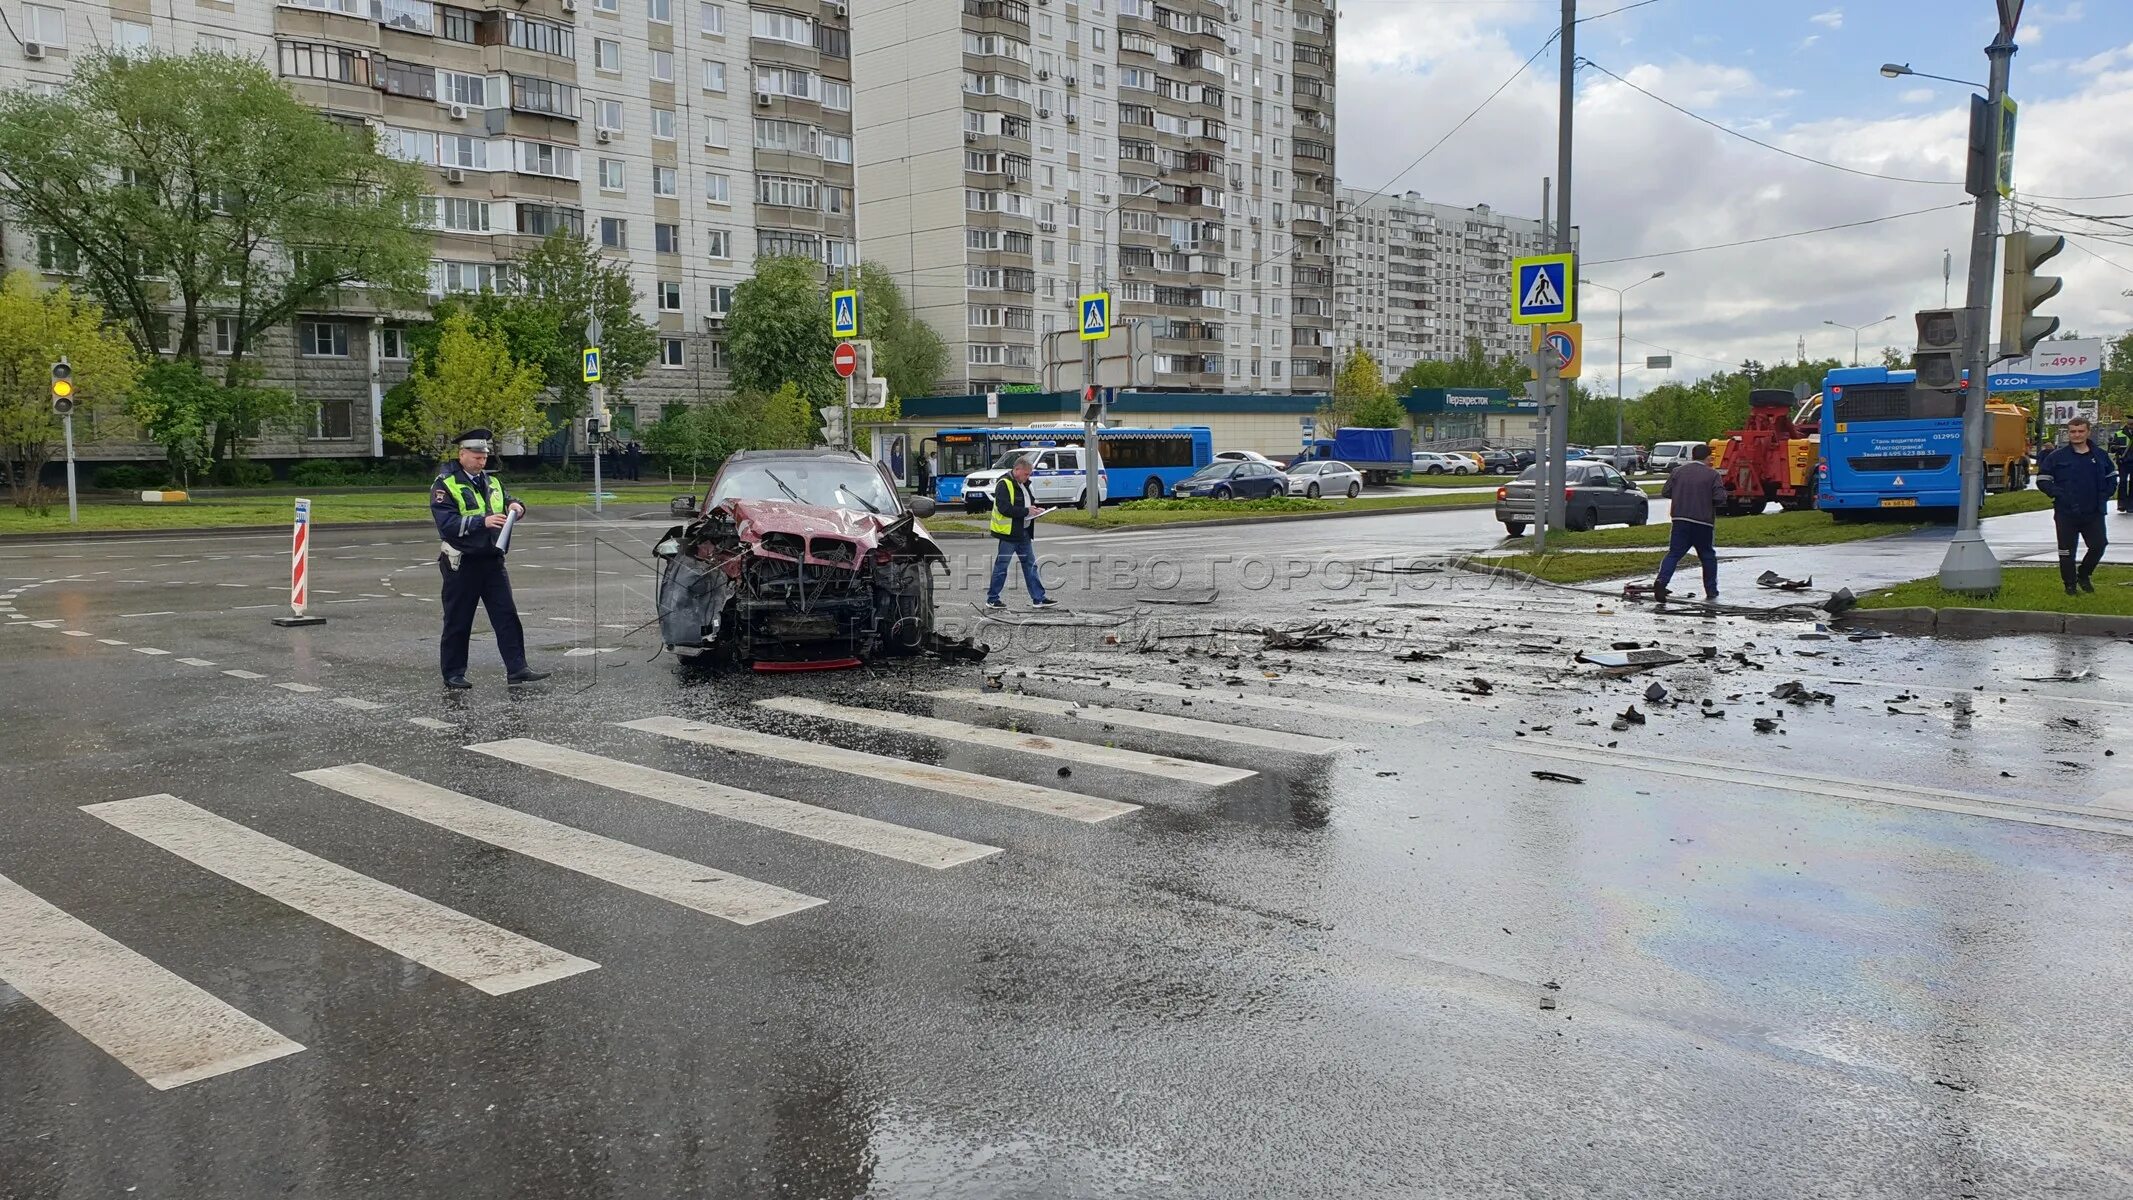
{"x": 922, "y": 506}
{"x": 1628, "y": 485}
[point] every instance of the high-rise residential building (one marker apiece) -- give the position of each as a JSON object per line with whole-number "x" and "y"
{"x": 1418, "y": 280}
{"x": 1014, "y": 154}
{"x": 683, "y": 137}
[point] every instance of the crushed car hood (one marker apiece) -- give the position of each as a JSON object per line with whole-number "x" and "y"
{"x": 755, "y": 519}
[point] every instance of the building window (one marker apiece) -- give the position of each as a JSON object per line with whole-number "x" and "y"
{"x": 669, "y": 296}
{"x": 607, "y": 6}
{"x": 836, "y": 148}
{"x": 463, "y": 216}
{"x": 392, "y": 344}
{"x": 408, "y": 79}
{"x": 715, "y": 133}
{"x": 783, "y": 27}
{"x": 836, "y": 95}
{"x": 336, "y": 420}
{"x": 666, "y": 238}
{"x": 542, "y": 158}
{"x": 131, "y": 37}
{"x": 614, "y": 233}
{"x": 607, "y": 56}
{"x": 540, "y": 220}
{"x": 670, "y": 352}
{"x": 663, "y": 124}
{"x": 540, "y": 37}
{"x": 785, "y": 191}
{"x": 661, "y": 11}
{"x": 711, "y": 19}
{"x": 717, "y": 355}
{"x": 663, "y": 66}
{"x": 608, "y": 116}
{"x": 322, "y": 339}
{"x": 57, "y": 256}
{"x": 225, "y": 335}
{"x": 212, "y": 43}
{"x": 456, "y": 24}
{"x": 456, "y": 88}
{"x": 718, "y": 189}
{"x": 317, "y": 60}
{"x": 463, "y": 151}
{"x": 714, "y": 76}
{"x": 719, "y": 243}
{"x": 721, "y": 300}
{"x": 45, "y": 25}
{"x": 610, "y": 174}
{"x": 666, "y": 181}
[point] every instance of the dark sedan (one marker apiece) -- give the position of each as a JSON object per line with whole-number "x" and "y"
{"x": 1594, "y": 494}
{"x": 1234, "y": 481}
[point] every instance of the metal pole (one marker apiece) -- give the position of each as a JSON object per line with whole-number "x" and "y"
{"x": 844, "y": 435}
{"x": 1618, "y": 370}
{"x": 66, "y": 422}
{"x": 1566, "y": 101}
{"x": 1970, "y": 564}
{"x": 1541, "y": 459}
{"x": 1855, "y": 347}
{"x": 1090, "y": 458}
{"x": 599, "y": 404}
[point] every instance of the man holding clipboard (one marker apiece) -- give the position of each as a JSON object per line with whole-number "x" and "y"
{"x": 475, "y": 517}
{"x": 1014, "y": 519}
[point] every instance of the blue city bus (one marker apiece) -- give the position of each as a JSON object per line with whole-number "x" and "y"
{"x": 1136, "y": 462}
{"x": 1888, "y": 445}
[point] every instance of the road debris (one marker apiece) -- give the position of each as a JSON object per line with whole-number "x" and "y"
{"x": 1629, "y": 660}
{"x": 1477, "y": 686}
{"x": 1655, "y": 694}
{"x": 1554, "y": 777}
{"x": 1631, "y": 715}
{"x": 1771, "y": 579}
{"x": 2062, "y": 677}
{"x": 1766, "y": 724}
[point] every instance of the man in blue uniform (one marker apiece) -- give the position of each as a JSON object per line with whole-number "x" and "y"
{"x": 471, "y": 507}
{"x": 2080, "y": 479}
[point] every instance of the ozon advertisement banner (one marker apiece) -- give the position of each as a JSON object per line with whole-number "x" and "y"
{"x": 2055, "y": 366}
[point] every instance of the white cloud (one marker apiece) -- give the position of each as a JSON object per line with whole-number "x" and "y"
{"x": 1810, "y": 40}
{"x": 1650, "y": 181}
{"x": 1919, "y": 96}
{"x": 1831, "y": 19}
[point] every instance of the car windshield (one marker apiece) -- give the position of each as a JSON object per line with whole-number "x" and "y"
{"x": 1218, "y": 471}
{"x": 828, "y": 482}
{"x": 1012, "y": 457}
{"x": 1530, "y": 473}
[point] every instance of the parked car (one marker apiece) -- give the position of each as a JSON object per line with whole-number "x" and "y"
{"x": 1667, "y": 455}
{"x": 1326, "y": 477}
{"x": 1427, "y": 463}
{"x": 1233, "y": 481}
{"x": 1241, "y": 456}
{"x": 1504, "y": 462}
{"x": 1626, "y": 459}
{"x": 1595, "y": 494}
{"x": 1057, "y": 477}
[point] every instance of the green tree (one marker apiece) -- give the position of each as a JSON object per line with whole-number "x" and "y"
{"x": 1359, "y": 389}
{"x": 778, "y": 333}
{"x": 2116, "y": 394}
{"x": 470, "y": 380}
{"x": 38, "y": 327}
{"x": 907, "y": 352}
{"x": 191, "y": 189}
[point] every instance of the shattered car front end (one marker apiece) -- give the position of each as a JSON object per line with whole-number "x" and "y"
{"x": 784, "y": 585}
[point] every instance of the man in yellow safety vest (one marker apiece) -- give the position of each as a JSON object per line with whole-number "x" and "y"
{"x": 472, "y": 510}
{"x": 1014, "y": 517}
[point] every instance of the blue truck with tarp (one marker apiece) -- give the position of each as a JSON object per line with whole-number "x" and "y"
{"x": 1382, "y": 455}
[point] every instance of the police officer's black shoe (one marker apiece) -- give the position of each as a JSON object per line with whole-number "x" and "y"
{"x": 2086, "y": 586}
{"x": 529, "y": 675}
{"x": 457, "y": 683}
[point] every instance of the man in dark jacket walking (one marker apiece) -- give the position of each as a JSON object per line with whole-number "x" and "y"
{"x": 2121, "y": 450}
{"x": 1013, "y": 521}
{"x": 2081, "y": 479}
{"x": 1696, "y": 490}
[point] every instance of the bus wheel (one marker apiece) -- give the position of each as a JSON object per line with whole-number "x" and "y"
{"x": 1153, "y": 489}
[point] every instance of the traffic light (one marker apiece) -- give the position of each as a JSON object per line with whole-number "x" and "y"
{"x": 62, "y": 388}
{"x": 1092, "y": 407}
{"x": 2022, "y": 290}
{"x": 1938, "y": 362}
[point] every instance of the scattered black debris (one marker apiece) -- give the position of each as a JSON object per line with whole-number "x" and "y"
{"x": 1952, "y": 1086}
{"x": 1547, "y": 1003}
{"x": 2068, "y": 723}
{"x": 1553, "y": 986}
{"x": 1477, "y": 686}
{"x": 1189, "y": 598}
{"x": 1632, "y": 716}
{"x": 1656, "y": 693}
{"x": 1541, "y": 728}
{"x": 2063, "y": 677}
{"x": 1065, "y": 771}
{"x": 2007, "y": 774}
{"x": 1841, "y": 602}
{"x": 1387, "y": 774}
{"x": 1554, "y": 777}
{"x": 1714, "y": 712}
{"x": 1786, "y": 690}
{"x": 1625, "y": 646}
{"x": 1298, "y": 639}
{"x": 1707, "y": 652}
{"x": 1629, "y": 660}
{"x": 1417, "y": 656}
{"x": 1771, "y": 579}
{"x": 1867, "y": 635}
{"x": 1766, "y": 724}
{"x": 1741, "y": 657}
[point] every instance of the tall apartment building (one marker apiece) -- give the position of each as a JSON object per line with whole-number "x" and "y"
{"x": 1417, "y": 280}
{"x": 685, "y": 137}
{"x": 1013, "y": 155}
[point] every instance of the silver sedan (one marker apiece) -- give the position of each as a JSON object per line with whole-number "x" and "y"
{"x": 1325, "y": 478}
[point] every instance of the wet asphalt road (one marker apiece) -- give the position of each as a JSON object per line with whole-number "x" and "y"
{"x": 1881, "y": 951}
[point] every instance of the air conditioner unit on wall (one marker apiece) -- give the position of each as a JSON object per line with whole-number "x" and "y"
{"x": 969, "y": 136}
{"x": 762, "y": 100}
{"x": 1043, "y": 74}
{"x": 454, "y": 175}
{"x": 603, "y": 136}
{"x": 1045, "y": 113}
{"x": 33, "y": 49}
{"x": 458, "y": 112}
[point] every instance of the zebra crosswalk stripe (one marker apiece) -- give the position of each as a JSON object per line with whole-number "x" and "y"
{"x": 946, "y": 780}
{"x": 1208, "y": 774}
{"x": 166, "y": 1030}
{"x": 1217, "y": 694}
{"x": 443, "y": 939}
{"x": 771, "y": 812}
{"x": 734, "y": 898}
{"x": 1214, "y": 731}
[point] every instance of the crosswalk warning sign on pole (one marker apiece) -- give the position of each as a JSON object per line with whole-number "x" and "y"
{"x": 1544, "y": 289}
{"x": 844, "y": 314}
{"x": 1095, "y": 316}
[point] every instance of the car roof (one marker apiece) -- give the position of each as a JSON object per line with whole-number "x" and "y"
{"x": 789, "y": 455}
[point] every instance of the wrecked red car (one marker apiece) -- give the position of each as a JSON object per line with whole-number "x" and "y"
{"x": 801, "y": 559}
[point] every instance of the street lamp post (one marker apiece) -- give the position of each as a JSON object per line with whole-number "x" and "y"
{"x": 1619, "y": 294}
{"x": 1855, "y": 332}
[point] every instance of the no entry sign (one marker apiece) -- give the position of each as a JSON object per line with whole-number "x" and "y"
{"x": 846, "y": 359}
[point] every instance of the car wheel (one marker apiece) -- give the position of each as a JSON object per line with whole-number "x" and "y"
{"x": 1354, "y": 489}
{"x": 1592, "y": 518}
{"x": 910, "y": 610}
{"x": 1221, "y": 492}
{"x": 1082, "y": 500}
{"x": 1153, "y": 489}
{"x": 1433, "y": 469}
{"x": 1515, "y": 528}
{"x": 1642, "y": 516}
{"x": 1312, "y": 491}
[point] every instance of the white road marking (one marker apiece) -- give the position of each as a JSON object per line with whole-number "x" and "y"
{"x": 148, "y": 650}
{"x": 1217, "y": 695}
{"x": 164, "y": 613}
{"x": 46, "y": 624}
{"x": 1208, "y": 774}
{"x": 236, "y": 585}
{"x": 875, "y": 766}
{"x": 113, "y": 642}
{"x": 1272, "y": 739}
{"x": 298, "y": 687}
{"x": 587, "y": 651}
{"x": 244, "y": 674}
{"x": 358, "y": 705}
{"x": 445, "y": 940}
{"x": 733, "y": 898}
{"x": 197, "y": 662}
{"x": 432, "y": 723}
{"x": 249, "y": 607}
{"x": 1873, "y": 793}
{"x": 771, "y": 812}
{"x": 77, "y": 633}
{"x": 162, "y": 1028}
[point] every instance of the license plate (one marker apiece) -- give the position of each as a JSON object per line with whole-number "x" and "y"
{"x": 1899, "y": 504}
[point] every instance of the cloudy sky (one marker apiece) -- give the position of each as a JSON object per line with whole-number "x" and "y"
{"x": 1651, "y": 183}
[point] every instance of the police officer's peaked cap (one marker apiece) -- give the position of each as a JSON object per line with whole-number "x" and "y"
{"x": 481, "y": 441}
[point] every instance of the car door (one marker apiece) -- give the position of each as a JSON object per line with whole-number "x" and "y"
{"x": 1614, "y": 498}
{"x": 1044, "y": 479}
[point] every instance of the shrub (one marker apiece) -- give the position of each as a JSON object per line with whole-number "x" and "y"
{"x": 128, "y": 479}
{"x": 322, "y": 472}
{"x": 239, "y": 472}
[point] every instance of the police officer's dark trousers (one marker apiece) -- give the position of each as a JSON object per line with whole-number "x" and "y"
{"x": 2125, "y": 483}
{"x": 480, "y": 579}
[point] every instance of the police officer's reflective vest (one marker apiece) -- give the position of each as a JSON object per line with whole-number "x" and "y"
{"x": 2121, "y": 442}
{"x": 469, "y": 500}
{"x": 1001, "y": 524}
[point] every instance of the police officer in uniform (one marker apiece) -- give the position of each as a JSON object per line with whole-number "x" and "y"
{"x": 2121, "y": 448}
{"x": 470, "y": 507}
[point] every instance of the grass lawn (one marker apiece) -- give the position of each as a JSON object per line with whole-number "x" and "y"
{"x": 401, "y": 504}
{"x": 1582, "y": 568}
{"x": 2020, "y": 587}
{"x": 1786, "y": 528}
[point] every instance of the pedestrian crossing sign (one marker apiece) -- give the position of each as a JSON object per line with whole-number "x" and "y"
{"x": 1095, "y": 316}
{"x": 1544, "y": 289}
{"x": 592, "y": 364}
{"x": 844, "y": 314}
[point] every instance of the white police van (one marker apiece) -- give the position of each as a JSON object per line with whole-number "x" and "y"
{"x": 1058, "y": 478}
